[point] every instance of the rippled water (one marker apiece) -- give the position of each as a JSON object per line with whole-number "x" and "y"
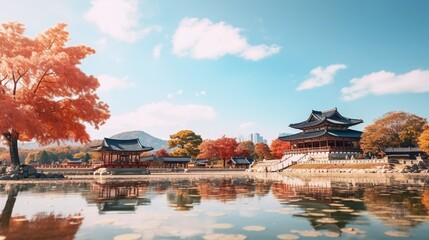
{"x": 255, "y": 207}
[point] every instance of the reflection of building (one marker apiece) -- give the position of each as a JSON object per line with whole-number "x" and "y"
{"x": 121, "y": 152}
{"x": 325, "y": 131}
{"x": 118, "y": 196}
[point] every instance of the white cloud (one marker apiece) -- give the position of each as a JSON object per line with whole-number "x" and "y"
{"x": 200, "y": 93}
{"x": 101, "y": 43}
{"x": 178, "y": 92}
{"x": 156, "y": 52}
{"x": 247, "y": 125}
{"x": 382, "y": 82}
{"x": 203, "y": 39}
{"x": 159, "y": 118}
{"x": 259, "y": 52}
{"x": 321, "y": 76}
{"x": 108, "y": 83}
{"x": 119, "y": 19}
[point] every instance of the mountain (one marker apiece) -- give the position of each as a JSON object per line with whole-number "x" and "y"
{"x": 146, "y": 139}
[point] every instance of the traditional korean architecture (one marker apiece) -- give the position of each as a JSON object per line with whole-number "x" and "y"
{"x": 326, "y": 132}
{"x": 175, "y": 161}
{"x": 236, "y": 162}
{"x": 122, "y": 153}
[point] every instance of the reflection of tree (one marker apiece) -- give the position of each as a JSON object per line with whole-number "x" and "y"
{"x": 8, "y": 207}
{"x": 226, "y": 189}
{"x": 183, "y": 199}
{"x": 325, "y": 207}
{"x": 396, "y": 206}
{"x": 262, "y": 188}
{"x": 41, "y": 226}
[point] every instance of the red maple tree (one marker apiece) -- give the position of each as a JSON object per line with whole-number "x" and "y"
{"x": 278, "y": 147}
{"x": 44, "y": 95}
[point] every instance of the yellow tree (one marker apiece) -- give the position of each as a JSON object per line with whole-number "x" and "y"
{"x": 424, "y": 141}
{"x": 394, "y": 129}
{"x": 44, "y": 95}
{"x": 186, "y": 143}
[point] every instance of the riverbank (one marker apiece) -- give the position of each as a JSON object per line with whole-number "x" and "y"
{"x": 355, "y": 168}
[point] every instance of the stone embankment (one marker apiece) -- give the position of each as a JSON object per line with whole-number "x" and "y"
{"x": 24, "y": 171}
{"x": 420, "y": 167}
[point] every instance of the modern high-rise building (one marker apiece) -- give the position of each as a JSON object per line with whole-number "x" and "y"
{"x": 257, "y": 138}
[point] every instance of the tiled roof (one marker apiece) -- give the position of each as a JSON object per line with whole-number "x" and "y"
{"x": 402, "y": 150}
{"x": 239, "y": 161}
{"x": 336, "y": 133}
{"x": 331, "y": 116}
{"x": 175, "y": 159}
{"x": 122, "y": 145}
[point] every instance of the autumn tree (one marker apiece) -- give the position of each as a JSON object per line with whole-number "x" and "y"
{"x": 44, "y": 95}
{"x": 245, "y": 149}
{"x": 278, "y": 147}
{"x": 162, "y": 153}
{"x": 394, "y": 129}
{"x": 225, "y": 148}
{"x": 208, "y": 150}
{"x": 262, "y": 151}
{"x": 186, "y": 143}
{"x": 424, "y": 141}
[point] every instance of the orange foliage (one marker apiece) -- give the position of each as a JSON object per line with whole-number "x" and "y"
{"x": 162, "y": 153}
{"x": 263, "y": 151}
{"x": 225, "y": 147}
{"x": 208, "y": 149}
{"x": 43, "y": 93}
{"x": 278, "y": 147}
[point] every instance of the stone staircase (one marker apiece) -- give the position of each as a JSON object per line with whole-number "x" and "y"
{"x": 278, "y": 165}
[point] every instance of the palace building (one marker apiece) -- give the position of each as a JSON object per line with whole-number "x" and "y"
{"x": 325, "y": 132}
{"x": 121, "y": 152}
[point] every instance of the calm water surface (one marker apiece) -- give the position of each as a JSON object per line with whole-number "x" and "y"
{"x": 254, "y": 207}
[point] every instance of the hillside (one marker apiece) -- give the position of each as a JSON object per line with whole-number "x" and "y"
{"x": 145, "y": 139}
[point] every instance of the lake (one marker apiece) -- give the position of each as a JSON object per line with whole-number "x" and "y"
{"x": 261, "y": 206}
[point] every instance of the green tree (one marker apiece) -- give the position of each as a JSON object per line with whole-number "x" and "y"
{"x": 424, "y": 141}
{"x": 186, "y": 143}
{"x": 86, "y": 158}
{"x": 42, "y": 157}
{"x": 394, "y": 129}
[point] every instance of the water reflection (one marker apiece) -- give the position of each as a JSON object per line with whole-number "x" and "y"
{"x": 118, "y": 196}
{"x": 277, "y": 203}
{"x": 39, "y": 226}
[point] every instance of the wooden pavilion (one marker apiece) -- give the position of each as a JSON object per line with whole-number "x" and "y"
{"x": 122, "y": 153}
{"x": 325, "y": 131}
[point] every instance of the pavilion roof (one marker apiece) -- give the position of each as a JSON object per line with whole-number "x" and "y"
{"x": 239, "y": 161}
{"x": 349, "y": 133}
{"x": 122, "y": 145}
{"x": 328, "y": 116}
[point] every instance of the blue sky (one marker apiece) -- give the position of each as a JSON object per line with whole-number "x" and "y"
{"x": 236, "y": 67}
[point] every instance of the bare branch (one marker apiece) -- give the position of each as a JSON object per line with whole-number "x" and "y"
{"x": 40, "y": 79}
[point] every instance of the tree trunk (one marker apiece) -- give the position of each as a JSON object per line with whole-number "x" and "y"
{"x": 12, "y": 142}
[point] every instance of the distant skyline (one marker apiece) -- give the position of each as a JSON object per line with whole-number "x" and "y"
{"x": 238, "y": 67}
